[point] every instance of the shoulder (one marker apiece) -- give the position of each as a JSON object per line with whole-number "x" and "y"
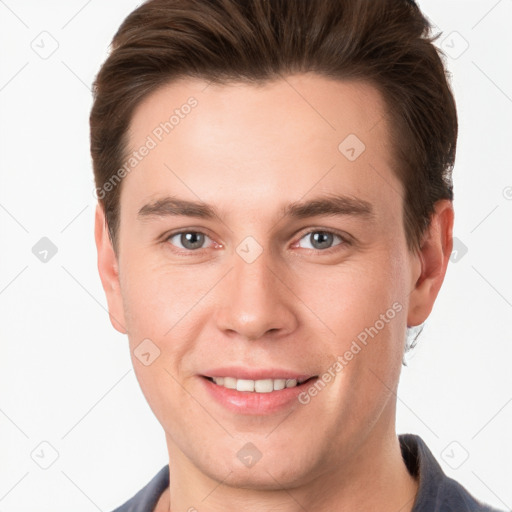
{"x": 436, "y": 491}
{"x": 457, "y": 498}
{"x": 146, "y": 499}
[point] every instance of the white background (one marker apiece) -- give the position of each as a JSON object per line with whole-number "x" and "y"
{"x": 65, "y": 374}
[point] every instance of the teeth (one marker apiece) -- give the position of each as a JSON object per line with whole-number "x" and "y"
{"x": 264, "y": 386}
{"x": 279, "y": 384}
{"x": 258, "y": 386}
{"x": 244, "y": 385}
{"x": 227, "y": 382}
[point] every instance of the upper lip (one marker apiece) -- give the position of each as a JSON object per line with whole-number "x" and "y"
{"x": 239, "y": 372}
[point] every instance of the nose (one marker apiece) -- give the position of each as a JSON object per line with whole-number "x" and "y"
{"x": 256, "y": 301}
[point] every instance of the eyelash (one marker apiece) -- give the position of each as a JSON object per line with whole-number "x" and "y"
{"x": 345, "y": 241}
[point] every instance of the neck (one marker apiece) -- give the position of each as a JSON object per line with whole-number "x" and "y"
{"x": 373, "y": 478}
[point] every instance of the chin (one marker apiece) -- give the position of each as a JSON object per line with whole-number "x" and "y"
{"x": 260, "y": 478}
{"x": 273, "y": 471}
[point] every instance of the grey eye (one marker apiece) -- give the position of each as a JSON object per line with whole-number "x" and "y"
{"x": 189, "y": 240}
{"x": 320, "y": 239}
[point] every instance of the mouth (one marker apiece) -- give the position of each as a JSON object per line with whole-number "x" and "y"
{"x": 255, "y": 391}
{"x": 259, "y": 386}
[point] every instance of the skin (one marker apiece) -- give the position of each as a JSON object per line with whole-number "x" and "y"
{"x": 249, "y": 151}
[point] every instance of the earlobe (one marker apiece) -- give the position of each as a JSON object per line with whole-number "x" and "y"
{"x": 109, "y": 271}
{"x": 433, "y": 257}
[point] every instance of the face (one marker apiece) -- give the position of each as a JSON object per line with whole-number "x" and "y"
{"x": 291, "y": 265}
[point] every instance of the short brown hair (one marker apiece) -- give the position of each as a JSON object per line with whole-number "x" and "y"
{"x": 387, "y": 43}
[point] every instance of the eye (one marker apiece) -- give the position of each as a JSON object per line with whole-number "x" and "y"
{"x": 318, "y": 240}
{"x": 188, "y": 240}
{"x": 321, "y": 240}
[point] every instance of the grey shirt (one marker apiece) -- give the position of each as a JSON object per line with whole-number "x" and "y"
{"x": 436, "y": 491}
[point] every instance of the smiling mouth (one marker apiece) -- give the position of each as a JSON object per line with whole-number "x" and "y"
{"x": 258, "y": 386}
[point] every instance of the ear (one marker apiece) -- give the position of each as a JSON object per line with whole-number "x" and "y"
{"x": 109, "y": 271}
{"x": 432, "y": 261}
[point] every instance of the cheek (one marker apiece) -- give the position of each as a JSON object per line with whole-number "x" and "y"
{"x": 374, "y": 322}
{"x": 353, "y": 296}
{"x": 363, "y": 305}
{"x": 366, "y": 311}
{"x": 157, "y": 297}
{"x": 157, "y": 305}
{"x": 166, "y": 305}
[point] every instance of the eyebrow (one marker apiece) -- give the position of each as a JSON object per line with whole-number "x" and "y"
{"x": 332, "y": 205}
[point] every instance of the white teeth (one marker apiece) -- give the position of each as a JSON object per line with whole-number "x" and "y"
{"x": 291, "y": 383}
{"x": 279, "y": 384}
{"x": 258, "y": 386}
{"x": 264, "y": 386}
{"x": 244, "y": 385}
{"x": 229, "y": 382}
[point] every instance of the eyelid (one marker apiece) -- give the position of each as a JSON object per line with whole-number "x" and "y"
{"x": 166, "y": 236}
{"x": 345, "y": 238}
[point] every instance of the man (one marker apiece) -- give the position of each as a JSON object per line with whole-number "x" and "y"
{"x": 275, "y": 211}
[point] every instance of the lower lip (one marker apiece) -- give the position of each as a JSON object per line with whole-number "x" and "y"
{"x": 247, "y": 402}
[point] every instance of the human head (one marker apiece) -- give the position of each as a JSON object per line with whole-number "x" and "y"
{"x": 254, "y": 142}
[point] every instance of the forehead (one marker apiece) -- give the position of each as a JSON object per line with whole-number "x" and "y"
{"x": 251, "y": 146}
